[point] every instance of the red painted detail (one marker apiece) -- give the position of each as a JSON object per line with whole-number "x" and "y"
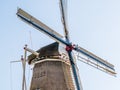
{"x": 69, "y": 48}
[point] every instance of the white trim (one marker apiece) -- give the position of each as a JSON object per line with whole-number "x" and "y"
{"x": 44, "y": 60}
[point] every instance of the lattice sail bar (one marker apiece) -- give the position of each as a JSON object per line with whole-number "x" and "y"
{"x": 96, "y": 65}
{"x": 28, "y": 18}
{"x": 95, "y": 60}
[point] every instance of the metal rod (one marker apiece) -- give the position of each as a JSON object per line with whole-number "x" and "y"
{"x": 24, "y": 69}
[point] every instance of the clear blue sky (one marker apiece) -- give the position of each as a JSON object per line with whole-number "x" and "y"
{"x": 93, "y": 24}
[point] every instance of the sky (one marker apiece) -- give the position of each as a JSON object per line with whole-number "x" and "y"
{"x": 93, "y": 25}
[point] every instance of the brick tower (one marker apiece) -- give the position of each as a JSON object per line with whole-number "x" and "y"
{"x": 52, "y": 70}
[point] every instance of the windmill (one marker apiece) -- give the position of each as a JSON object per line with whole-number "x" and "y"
{"x": 91, "y": 59}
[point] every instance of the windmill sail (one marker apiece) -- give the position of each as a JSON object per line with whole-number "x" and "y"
{"x": 63, "y": 8}
{"x": 36, "y": 23}
{"x": 95, "y": 60}
{"x": 40, "y": 26}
